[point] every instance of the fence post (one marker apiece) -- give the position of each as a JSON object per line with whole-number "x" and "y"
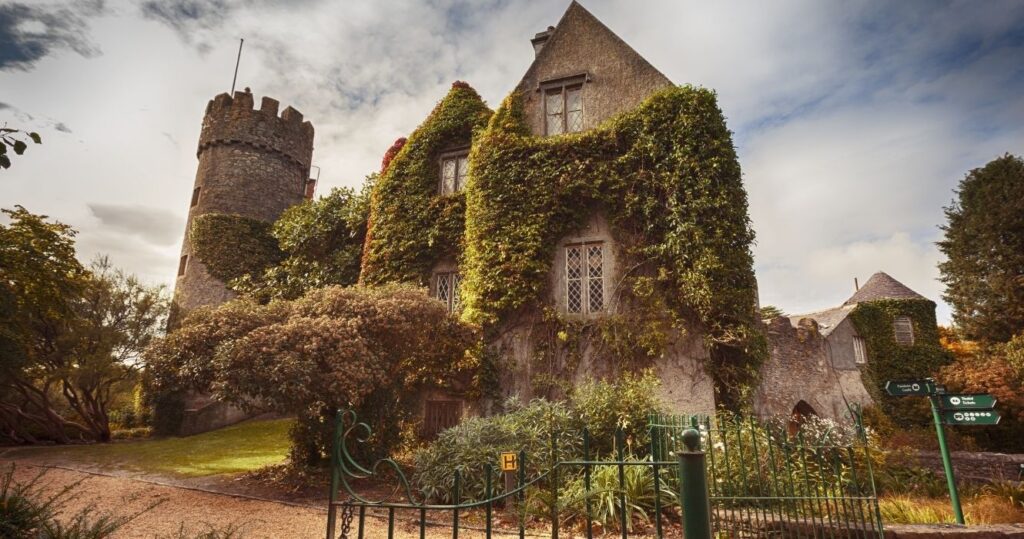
{"x": 693, "y": 488}
{"x": 332, "y": 511}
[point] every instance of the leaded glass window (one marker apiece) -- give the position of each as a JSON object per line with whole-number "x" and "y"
{"x": 446, "y": 289}
{"x": 563, "y": 110}
{"x": 454, "y": 171}
{"x": 584, "y": 278}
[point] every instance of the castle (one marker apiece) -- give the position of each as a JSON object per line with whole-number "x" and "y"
{"x": 594, "y": 223}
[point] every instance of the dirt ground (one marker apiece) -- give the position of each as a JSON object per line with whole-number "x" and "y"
{"x": 198, "y": 509}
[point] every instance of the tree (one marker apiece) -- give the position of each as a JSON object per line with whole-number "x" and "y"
{"x": 368, "y": 348}
{"x": 15, "y": 139}
{"x": 322, "y": 245}
{"x": 70, "y": 336}
{"x": 984, "y": 247}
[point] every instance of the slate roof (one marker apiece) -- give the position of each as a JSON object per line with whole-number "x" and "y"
{"x": 882, "y": 286}
{"x": 827, "y": 320}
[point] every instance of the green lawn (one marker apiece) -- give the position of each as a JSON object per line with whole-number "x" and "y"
{"x": 238, "y": 448}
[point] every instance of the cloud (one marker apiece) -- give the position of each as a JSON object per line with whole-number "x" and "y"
{"x": 59, "y": 126}
{"x": 29, "y": 33}
{"x": 153, "y": 225}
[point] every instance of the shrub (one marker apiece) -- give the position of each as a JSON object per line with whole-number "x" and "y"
{"x": 364, "y": 348}
{"x": 475, "y": 444}
{"x": 606, "y": 496}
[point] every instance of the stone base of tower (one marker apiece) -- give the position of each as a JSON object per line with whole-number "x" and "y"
{"x": 203, "y": 414}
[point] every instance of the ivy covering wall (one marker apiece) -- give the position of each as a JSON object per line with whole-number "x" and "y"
{"x": 667, "y": 178}
{"x": 888, "y": 360}
{"x": 232, "y": 246}
{"x": 411, "y": 228}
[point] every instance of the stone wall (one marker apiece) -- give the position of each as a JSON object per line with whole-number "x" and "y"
{"x": 801, "y": 368}
{"x": 975, "y": 466}
{"x": 252, "y": 163}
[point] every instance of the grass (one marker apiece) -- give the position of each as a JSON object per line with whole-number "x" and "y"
{"x": 239, "y": 448}
{"x": 982, "y": 509}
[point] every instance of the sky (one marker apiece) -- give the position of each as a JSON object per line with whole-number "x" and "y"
{"x": 854, "y": 120}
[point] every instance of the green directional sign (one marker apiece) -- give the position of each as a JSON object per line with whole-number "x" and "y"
{"x": 906, "y": 388}
{"x": 970, "y": 417}
{"x": 978, "y": 401}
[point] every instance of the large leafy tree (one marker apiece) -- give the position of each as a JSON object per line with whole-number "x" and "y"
{"x": 366, "y": 348}
{"x": 69, "y": 336}
{"x": 984, "y": 246}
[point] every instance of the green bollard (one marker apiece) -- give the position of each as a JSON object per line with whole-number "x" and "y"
{"x": 693, "y": 488}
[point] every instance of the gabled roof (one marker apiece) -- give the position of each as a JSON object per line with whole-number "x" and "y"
{"x": 827, "y": 320}
{"x": 577, "y": 18}
{"x": 881, "y": 286}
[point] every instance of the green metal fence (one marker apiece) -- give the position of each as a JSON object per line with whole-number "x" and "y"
{"x": 761, "y": 481}
{"x": 765, "y": 481}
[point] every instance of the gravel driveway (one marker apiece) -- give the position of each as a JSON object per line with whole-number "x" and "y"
{"x": 197, "y": 510}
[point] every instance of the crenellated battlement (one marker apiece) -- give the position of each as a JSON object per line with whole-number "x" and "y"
{"x": 234, "y": 120}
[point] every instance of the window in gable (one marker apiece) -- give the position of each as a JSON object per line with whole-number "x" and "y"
{"x": 454, "y": 170}
{"x": 195, "y": 196}
{"x": 584, "y": 278}
{"x": 903, "y": 330}
{"x": 446, "y": 289}
{"x": 563, "y": 109}
{"x": 860, "y": 350}
{"x": 182, "y": 264}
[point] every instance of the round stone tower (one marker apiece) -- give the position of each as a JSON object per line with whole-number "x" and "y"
{"x": 252, "y": 163}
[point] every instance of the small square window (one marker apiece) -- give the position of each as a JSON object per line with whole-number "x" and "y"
{"x": 195, "y": 196}
{"x": 182, "y": 265}
{"x": 903, "y": 330}
{"x": 860, "y": 351}
{"x": 454, "y": 172}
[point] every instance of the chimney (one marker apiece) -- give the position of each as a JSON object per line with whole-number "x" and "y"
{"x": 540, "y": 39}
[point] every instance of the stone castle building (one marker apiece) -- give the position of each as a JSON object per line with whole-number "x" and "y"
{"x": 253, "y": 163}
{"x": 256, "y": 164}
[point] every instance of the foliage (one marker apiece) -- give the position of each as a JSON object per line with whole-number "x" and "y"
{"x": 984, "y": 247}
{"x": 606, "y": 496}
{"x": 233, "y": 246}
{"x": 208, "y": 531}
{"x": 368, "y": 348}
{"x": 16, "y": 140}
{"x": 474, "y": 444}
{"x": 661, "y": 174}
{"x": 770, "y": 311}
{"x": 27, "y": 511}
{"x": 69, "y": 336}
{"x": 989, "y": 370}
{"x": 978, "y": 510}
{"x": 322, "y": 244}
{"x": 888, "y": 360}
{"x": 411, "y": 228}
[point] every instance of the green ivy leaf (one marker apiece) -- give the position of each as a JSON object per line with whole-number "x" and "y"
{"x": 5, "y": 162}
{"x": 35, "y": 137}
{"x": 19, "y": 147}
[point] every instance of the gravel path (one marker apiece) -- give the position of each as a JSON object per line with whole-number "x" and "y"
{"x": 196, "y": 510}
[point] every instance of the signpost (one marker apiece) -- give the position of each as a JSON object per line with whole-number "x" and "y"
{"x": 970, "y": 409}
{"x": 509, "y": 466}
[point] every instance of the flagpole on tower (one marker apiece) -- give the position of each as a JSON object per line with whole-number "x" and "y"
{"x": 237, "y": 61}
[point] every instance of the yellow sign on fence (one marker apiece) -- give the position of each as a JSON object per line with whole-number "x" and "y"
{"x": 509, "y": 462}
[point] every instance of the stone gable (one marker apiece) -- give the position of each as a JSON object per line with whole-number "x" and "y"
{"x": 580, "y": 48}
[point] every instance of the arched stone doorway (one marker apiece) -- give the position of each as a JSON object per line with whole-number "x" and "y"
{"x": 800, "y": 413}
